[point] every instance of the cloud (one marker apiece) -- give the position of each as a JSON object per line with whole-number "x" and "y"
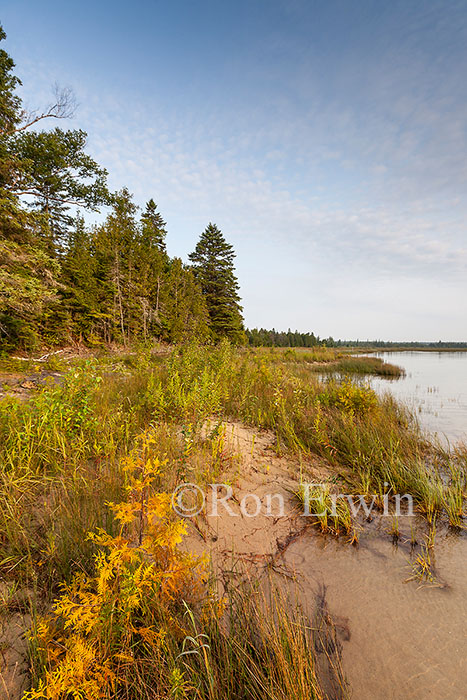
{"x": 332, "y": 153}
{"x": 196, "y": 175}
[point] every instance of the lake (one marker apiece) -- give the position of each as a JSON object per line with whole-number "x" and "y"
{"x": 405, "y": 640}
{"x": 435, "y": 388}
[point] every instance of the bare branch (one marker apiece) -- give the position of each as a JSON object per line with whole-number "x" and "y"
{"x": 52, "y": 198}
{"x": 63, "y": 107}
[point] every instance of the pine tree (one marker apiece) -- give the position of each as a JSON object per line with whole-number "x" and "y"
{"x": 185, "y": 313}
{"x": 215, "y": 272}
{"x": 153, "y": 226}
{"x": 116, "y": 241}
{"x": 152, "y": 263}
{"x": 51, "y": 167}
{"x": 28, "y": 276}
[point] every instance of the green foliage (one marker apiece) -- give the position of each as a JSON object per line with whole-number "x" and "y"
{"x": 213, "y": 267}
{"x": 260, "y": 337}
{"x": 10, "y": 103}
{"x": 114, "y": 283}
{"x": 27, "y": 284}
{"x": 57, "y": 172}
{"x": 185, "y": 307}
{"x": 153, "y": 228}
{"x": 52, "y": 168}
{"x": 63, "y": 455}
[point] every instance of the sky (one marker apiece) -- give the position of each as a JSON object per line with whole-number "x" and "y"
{"x": 326, "y": 139}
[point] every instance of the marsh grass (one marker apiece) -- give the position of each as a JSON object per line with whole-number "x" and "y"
{"x": 263, "y": 647}
{"x": 332, "y": 514}
{"x": 394, "y": 529}
{"x": 319, "y": 354}
{"x": 423, "y": 567}
{"x": 330, "y": 360}
{"x": 61, "y": 461}
{"x": 364, "y": 366}
{"x": 60, "y": 451}
{"x": 454, "y": 494}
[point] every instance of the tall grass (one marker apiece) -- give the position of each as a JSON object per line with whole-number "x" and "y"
{"x": 62, "y": 454}
{"x": 322, "y": 359}
{"x": 60, "y": 451}
{"x": 332, "y": 515}
{"x": 126, "y": 630}
{"x": 364, "y": 365}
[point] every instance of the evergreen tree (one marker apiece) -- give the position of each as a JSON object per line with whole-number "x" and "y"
{"x": 80, "y": 285}
{"x": 57, "y": 172}
{"x": 28, "y": 283}
{"x": 214, "y": 270}
{"x": 52, "y": 167}
{"x": 185, "y": 313}
{"x": 10, "y": 103}
{"x": 28, "y": 276}
{"x": 61, "y": 281}
{"x": 115, "y": 244}
{"x": 152, "y": 264}
{"x": 153, "y": 226}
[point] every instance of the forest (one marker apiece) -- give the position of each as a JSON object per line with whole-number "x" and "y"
{"x": 63, "y": 281}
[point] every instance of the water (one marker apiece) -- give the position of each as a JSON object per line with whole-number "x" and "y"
{"x": 405, "y": 642}
{"x": 435, "y": 387}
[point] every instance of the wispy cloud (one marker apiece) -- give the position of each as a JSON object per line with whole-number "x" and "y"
{"x": 331, "y": 150}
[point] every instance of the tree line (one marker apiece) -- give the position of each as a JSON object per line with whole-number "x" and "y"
{"x": 62, "y": 280}
{"x": 294, "y": 339}
{"x": 260, "y": 337}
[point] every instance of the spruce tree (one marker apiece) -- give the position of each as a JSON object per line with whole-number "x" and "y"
{"x": 152, "y": 263}
{"x": 185, "y": 313}
{"x": 115, "y": 245}
{"x": 79, "y": 284}
{"x": 214, "y": 270}
{"x": 153, "y": 226}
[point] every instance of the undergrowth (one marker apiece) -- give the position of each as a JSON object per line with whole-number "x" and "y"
{"x": 138, "y": 627}
{"x": 63, "y": 458}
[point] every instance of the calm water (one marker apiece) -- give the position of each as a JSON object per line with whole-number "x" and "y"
{"x": 435, "y": 386}
{"x": 405, "y": 642}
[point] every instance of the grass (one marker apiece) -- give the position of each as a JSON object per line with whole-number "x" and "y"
{"x": 454, "y": 494}
{"x": 62, "y": 458}
{"x": 138, "y": 625}
{"x": 366, "y": 366}
{"x": 252, "y": 658}
{"x": 423, "y": 567}
{"x": 322, "y": 360}
{"x": 332, "y": 514}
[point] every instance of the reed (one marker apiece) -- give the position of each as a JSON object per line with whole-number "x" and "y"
{"x": 364, "y": 366}
{"x": 332, "y": 513}
{"x": 62, "y": 458}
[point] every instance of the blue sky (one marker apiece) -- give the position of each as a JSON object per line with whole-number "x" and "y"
{"x": 328, "y": 141}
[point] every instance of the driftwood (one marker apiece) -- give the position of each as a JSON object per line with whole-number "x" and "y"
{"x": 38, "y": 359}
